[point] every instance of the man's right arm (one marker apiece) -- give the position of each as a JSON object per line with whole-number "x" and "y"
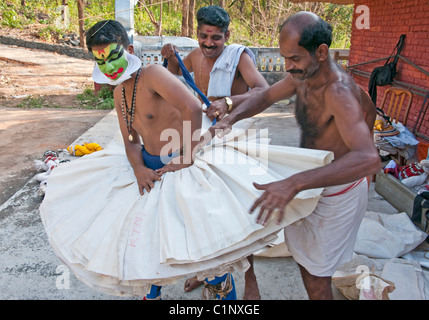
{"x": 261, "y": 100}
{"x": 253, "y": 105}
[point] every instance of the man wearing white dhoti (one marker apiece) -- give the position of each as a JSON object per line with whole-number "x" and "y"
{"x": 336, "y": 115}
{"x": 226, "y": 75}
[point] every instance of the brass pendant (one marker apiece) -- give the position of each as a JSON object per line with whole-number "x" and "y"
{"x": 130, "y": 137}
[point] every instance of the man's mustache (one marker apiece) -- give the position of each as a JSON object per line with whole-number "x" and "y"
{"x": 209, "y": 48}
{"x": 295, "y": 71}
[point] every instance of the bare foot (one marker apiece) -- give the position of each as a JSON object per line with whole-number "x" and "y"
{"x": 192, "y": 283}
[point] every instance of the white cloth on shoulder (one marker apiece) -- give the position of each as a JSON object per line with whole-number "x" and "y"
{"x": 194, "y": 221}
{"x": 223, "y": 72}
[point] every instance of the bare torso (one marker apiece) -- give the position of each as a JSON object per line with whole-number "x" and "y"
{"x": 202, "y": 67}
{"x": 153, "y": 116}
{"x": 318, "y": 128}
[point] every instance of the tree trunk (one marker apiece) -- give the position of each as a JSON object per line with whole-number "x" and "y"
{"x": 185, "y": 11}
{"x": 191, "y": 15}
{"x": 81, "y": 23}
{"x": 157, "y": 24}
{"x": 158, "y": 27}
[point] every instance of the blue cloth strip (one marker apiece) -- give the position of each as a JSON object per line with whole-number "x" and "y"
{"x": 157, "y": 162}
{"x": 190, "y": 80}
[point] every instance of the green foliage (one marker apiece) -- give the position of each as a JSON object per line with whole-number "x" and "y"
{"x": 35, "y": 102}
{"x": 86, "y": 100}
{"x": 171, "y": 21}
{"x": 336, "y": 16}
{"x": 31, "y": 102}
{"x": 9, "y": 17}
{"x": 253, "y": 23}
{"x": 102, "y": 101}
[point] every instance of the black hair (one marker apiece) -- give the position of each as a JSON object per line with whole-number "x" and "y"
{"x": 213, "y": 16}
{"x": 105, "y": 32}
{"x": 312, "y": 34}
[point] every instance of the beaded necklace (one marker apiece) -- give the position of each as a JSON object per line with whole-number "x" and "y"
{"x": 129, "y": 113}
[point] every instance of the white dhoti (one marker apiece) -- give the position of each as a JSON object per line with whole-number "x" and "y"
{"x": 325, "y": 239}
{"x": 194, "y": 221}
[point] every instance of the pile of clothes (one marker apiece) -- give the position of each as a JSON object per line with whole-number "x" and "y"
{"x": 394, "y": 138}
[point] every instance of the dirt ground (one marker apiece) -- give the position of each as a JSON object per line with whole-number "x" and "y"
{"x": 26, "y": 133}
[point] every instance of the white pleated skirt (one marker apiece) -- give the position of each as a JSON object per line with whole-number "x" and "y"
{"x": 195, "y": 221}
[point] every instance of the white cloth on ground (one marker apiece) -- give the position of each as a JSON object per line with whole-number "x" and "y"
{"x": 223, "y": 71}
{"x": 325, "y": 239}
{"x": 194, "y": 221}
{"x": 385, "y": 236}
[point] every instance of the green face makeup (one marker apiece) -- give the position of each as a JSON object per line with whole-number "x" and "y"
{"x": 111, "y": 60}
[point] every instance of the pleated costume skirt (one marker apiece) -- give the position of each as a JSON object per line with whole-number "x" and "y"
{"x": 195, "y": 221}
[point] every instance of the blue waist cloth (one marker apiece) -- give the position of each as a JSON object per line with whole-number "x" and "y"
{"x": 157, "y": 162}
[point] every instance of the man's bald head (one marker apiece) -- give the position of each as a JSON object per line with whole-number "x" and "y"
{"x": 313, "y": 30}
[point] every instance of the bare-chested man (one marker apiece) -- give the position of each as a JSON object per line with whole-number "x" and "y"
{"x": 213, "y": 33}
{"x": 336, "y": 115}
{"x": 225, "y": 91}
{"x": 147, "y": 104}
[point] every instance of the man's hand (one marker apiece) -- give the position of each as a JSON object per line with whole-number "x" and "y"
{"x": 220, "y": 129}
{"x": 145, "y": 179}
{"x": 274, "y": 200}
{"x": 168, "y": 51}
{"x": 218, "y": 109}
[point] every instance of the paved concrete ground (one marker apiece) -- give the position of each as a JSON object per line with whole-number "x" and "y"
{"x": 30, "y": 270}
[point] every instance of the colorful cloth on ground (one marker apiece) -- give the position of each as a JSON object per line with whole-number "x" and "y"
{"x": 411, "y": 170}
